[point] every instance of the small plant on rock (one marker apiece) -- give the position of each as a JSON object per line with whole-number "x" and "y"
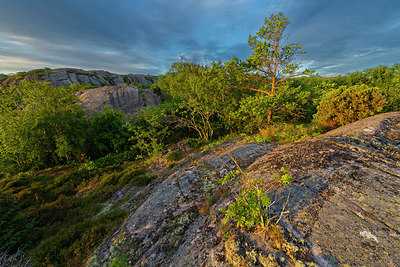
{"x": 251, "y": 201}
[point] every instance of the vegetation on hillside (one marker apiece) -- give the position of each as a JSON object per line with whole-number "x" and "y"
{"x": 58, "y": 166}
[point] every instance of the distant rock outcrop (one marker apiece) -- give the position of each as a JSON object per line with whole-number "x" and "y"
{"x": 129, "y": 99}
{"x": 68, "y": 76}
{"x": 343, "y": 206}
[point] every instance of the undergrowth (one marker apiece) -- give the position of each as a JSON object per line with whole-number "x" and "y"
{"x": 53, "y": 213}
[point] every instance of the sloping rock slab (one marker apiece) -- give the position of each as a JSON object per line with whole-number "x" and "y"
{"x": 167, "y": 229}
{"x": 345, "y": 197}
{"x": 343, "y": 206}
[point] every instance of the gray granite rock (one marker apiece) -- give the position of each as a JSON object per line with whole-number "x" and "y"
{"x": 67, "y": 76}
{"x": 126, "y": 98}
{"x": 341, "y": 208}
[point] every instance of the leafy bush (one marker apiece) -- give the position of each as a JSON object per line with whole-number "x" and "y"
{"x": 290, "y": 104}
{"x": 115, "y": 159}
{"x": 72, "y": 245}
{"x": 120, "y": 262}
{"x": 286, "y": 133}
{"x": 174, "y": 156}
{"x": 17, "y": 232}
{"x": 149, "y": 131}
{"x": 108, "y": 133}
{"x": 40, "y": 126}
{"x": 251, "y": 202}
{"x": 348, "y": 104}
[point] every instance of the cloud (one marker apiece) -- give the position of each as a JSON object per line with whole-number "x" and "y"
{"x": 127, "y": 36}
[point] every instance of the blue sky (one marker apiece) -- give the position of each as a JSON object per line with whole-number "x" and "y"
{"x": 146, "y": 36}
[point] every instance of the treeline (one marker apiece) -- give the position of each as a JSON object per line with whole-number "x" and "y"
{"x": 42, "y": 126}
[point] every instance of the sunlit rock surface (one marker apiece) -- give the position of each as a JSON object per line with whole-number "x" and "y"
{"x": 68, "y": 76}
{"x": 129, "y": 99}
{"x": 343, "y": 206}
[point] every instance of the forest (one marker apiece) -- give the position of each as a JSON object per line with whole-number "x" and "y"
{"x": 58, "y": 164}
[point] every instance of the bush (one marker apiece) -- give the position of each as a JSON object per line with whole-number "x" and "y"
{"x": 16, "y": 231}
{"x": 290, "y": 104}
{"x": 149, "y": 132}
{"x": 108, "y": 133}
{"x": 349, "y": 104}
{"x": 287, "y": 133}
{"x": 72, "y": 245}
{"x": 251, "y": 202}
{"x": 174, "y": 156}
{"x": 40, "y": 126}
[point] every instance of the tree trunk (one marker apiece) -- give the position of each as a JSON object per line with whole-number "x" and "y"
{"x": 269, "y": 117}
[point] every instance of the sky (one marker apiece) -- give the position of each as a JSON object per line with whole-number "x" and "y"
{"x": 147, "y": 36}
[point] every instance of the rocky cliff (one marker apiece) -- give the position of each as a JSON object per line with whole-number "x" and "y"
{"x": 129, "y": 99}
{"x": 69, "y": 76}
{"x": 343, "y": 206}
{"x": 110, "y": 89}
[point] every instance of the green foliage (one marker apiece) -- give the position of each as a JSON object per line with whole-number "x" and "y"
{"x": 348, "y": 104}
{"x": 120, "y": 262}
{"x": 250, "y": 205}
{"x": 40, "y": 126}
{"x": 272, "y": 56}
{"x": 251, "y": 202}
{"x": 285, "y": 133}
{"x": 75, "y": 87}
{"x": 269, "y": 66}
{"x": 174, "y": 156}
{"x": 187, "y": 85}
{"x": 108, "y": 133}
{"x": 149, "y": 131}
{"x": 17, "y": 231}
{"x": 73, "y": 245}
{"x": 55, "y": 212}
{"x": 290, "y": 104}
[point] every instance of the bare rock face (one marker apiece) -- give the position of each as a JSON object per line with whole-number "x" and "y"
{"x": 129, "y": 99}
{"x": 343, "y": 206}
{"x": 67, "y": 76}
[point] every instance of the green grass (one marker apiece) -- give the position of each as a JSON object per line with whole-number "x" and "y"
{"x": 63, "y": 204}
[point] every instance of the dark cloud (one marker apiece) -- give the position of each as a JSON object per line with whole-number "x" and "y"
{"x": 128, "y": 36}
{"x": 343, "y": 36}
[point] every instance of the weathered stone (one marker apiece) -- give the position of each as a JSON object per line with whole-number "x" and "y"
{"x": 67, "y": 76}
{"x": 345, "y": 197}
{"x": 126, "y": 98}
{"x": 343, "y": 206}
{"x": 167, "y": 229}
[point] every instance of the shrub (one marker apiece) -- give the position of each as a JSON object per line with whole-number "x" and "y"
{"x": 174, "y": 156}
{"x": 108, "y": 133}
{"x": 72, "y": 245}
{"x": 348, "y": 104}
{"x": 16, "y": 231}
{"x": 148, "y": 132}
{"x": 120, "y": 262}
{"x": 40, "y": 126}
{"x": 287, "y": 133}
{"x": 251, "y": 202}
{"x": 290, "y": 104}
